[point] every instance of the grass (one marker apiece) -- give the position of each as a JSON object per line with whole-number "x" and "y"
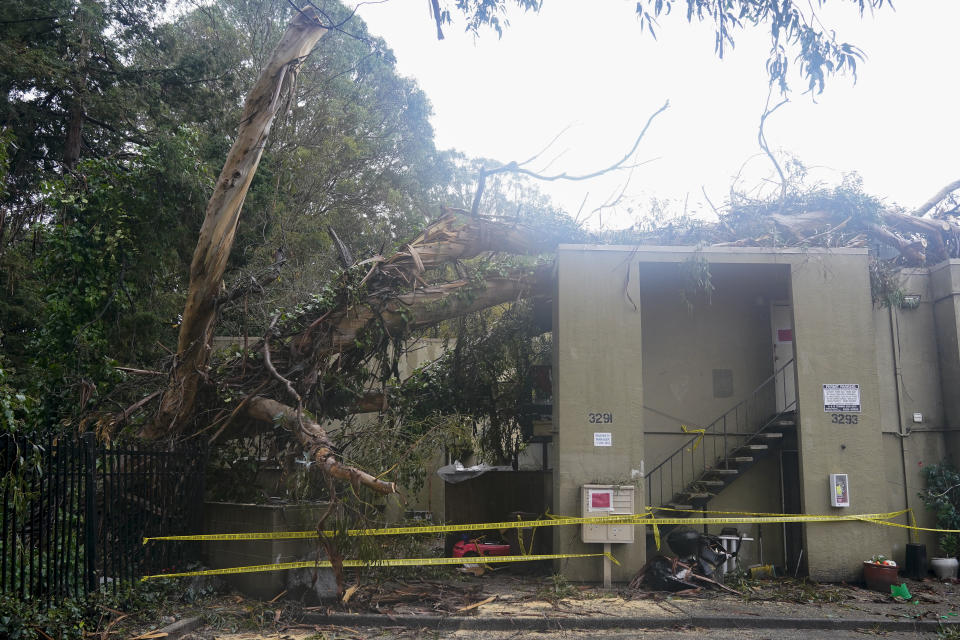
{"x": 557, "y": 589}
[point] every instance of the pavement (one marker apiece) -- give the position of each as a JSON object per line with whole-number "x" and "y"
{"x": 509, "y": 607}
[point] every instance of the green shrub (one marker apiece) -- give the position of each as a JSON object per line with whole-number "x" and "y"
{"x": 942, "y": 496}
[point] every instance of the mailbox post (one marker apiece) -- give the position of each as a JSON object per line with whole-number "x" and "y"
{"x": 599, "y": 501}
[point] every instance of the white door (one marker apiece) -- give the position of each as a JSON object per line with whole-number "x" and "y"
{"x": 781, "y": 319}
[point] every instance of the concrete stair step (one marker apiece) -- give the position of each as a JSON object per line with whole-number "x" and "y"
{"x": 756, "y": 447}
{"x": 712, "y": 483}
{"x": 680, "y": 507}
{"x": 740, "y": 459}
{"x": 698, "y": 495}
{"x": 724, "y": 472}
{"x": 770, "y": 435}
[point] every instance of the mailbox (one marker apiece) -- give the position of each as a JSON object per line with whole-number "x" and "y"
{"x": 601, "y": 500}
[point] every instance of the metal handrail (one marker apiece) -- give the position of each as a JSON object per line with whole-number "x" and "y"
{"x": 712, "y": 429}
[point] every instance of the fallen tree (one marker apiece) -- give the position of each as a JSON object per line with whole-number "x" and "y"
{"x": 335, "y": 338}
{"x": 841, "y": 216}
{"x": 318, "y": 360}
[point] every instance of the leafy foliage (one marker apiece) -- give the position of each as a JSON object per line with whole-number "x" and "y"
{"x": 942, "y": 496}
{"x": 487, "y": 376}
{"x": 794, "y": 27}
{"x": 796, "y": 31}
{"x": 487, "y": 13}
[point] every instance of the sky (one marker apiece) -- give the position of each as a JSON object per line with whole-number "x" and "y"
{"x": 583, "y": 69}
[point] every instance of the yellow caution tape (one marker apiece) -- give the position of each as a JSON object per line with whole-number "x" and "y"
{"x": 398, "y": 531}
{"x": 555, "y": 521}
{"x": 701, "y": 432}
{"x": 399, "y": 562}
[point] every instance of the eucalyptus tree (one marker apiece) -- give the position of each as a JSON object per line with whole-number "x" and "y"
{"x": 798, "y": 34}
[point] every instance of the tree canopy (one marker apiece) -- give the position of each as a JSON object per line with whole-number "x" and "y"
{"x": 797, "y": 34}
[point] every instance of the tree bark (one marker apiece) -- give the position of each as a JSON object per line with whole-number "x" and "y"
{"x": 178, "y": 405}
{"x": 313, "y": 438}
{"x": 418, "y": 309}
{"x": 74, "y": 136}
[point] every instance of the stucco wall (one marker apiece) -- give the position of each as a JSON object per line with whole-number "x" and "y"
{"x": 757, "y": 490}
{"x": 682, "y": 346}
{"x": 945, "y": 292}
{"x": 597, "y": 369}
{"x": 834, "y": 338}
{"x": 840, "y": 336}
{"x": 907, "y": 351}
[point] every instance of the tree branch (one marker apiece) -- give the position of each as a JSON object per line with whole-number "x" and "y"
{"x": 178, "y": 404}
{"x": 515, "y": 167}
{"x": 936, "y": 199}
{"x": 315, "y": 442}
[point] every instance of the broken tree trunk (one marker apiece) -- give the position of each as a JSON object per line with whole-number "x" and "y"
{"x": 178, "y": 404}
{"x": 313, "y": 438}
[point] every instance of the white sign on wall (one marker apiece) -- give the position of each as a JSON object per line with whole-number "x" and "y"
{"x": 602, "y": 439}
{"x": 841, "y": 398}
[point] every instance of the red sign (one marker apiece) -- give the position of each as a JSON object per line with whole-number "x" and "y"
{"x": 784, "y": 335}
{"x": 600, "y": 500}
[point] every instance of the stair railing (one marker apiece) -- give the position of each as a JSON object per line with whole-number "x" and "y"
{"x": 732, "y": 430}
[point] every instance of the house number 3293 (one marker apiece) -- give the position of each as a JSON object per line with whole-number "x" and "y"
{"x": 843, "y": 418}
{"x": 599, "y": 418}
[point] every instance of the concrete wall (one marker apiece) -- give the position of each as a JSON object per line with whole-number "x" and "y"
{"x": 834, "y": 338}
{"x": 597, "y": 364}
{"x": 945, "y": 293}
{"x": 910, "y": 382}
{"x": 683, "y": 346}
{"x": 227, "y": 517}
{"x": 757, "y": 490}
{"x": 597, "y": 369}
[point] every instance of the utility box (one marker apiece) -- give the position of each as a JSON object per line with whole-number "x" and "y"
{"x": 839, "y": 490}
{"x": 602, "y": 500}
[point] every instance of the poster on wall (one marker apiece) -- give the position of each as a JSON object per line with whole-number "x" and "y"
{"x": 602, "y": 439}
{"x": 841, "y": 398}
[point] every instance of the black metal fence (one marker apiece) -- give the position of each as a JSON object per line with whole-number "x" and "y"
{"x": 75, "y": 513}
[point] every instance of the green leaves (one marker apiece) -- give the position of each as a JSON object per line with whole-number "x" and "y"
{"x": 793, "y": 26}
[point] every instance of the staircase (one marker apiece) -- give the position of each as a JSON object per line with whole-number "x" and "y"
{"x": 707, "y": 463}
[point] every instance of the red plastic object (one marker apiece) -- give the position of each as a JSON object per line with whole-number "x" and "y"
{"x": 466, "y": 548}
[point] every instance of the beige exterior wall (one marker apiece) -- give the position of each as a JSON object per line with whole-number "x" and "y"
{"x": 945, "y": 293}
{"x": 910, "y": 382}
{"x": 682, "y": 346}
{"x": 757, "y": 490}
{"x": 836, "y": 340}
{"x": 835, "y": 343}
{"x": 597, "y": 369}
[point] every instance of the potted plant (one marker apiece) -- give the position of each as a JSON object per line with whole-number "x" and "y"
{"x": 942, "y": 496}
{"x": 946, "y": 566}
{"x": 879, "y": 573}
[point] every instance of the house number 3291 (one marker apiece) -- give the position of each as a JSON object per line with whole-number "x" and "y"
{"x": 599, "y": 418}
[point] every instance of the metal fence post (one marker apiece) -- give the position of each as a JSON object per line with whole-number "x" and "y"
{"x": 90, "y": 509}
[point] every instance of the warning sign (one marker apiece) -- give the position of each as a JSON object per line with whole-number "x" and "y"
{"x": 600, "y": 500}
{"x": 841, "y": 398}
{"x": 602, "y": 439}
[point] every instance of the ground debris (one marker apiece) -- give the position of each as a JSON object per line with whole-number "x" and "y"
{"x": 433, "y": 596}
{"x": 700, "y": 564}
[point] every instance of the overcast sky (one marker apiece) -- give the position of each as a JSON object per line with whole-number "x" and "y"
{"x": 586, "y": 65}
